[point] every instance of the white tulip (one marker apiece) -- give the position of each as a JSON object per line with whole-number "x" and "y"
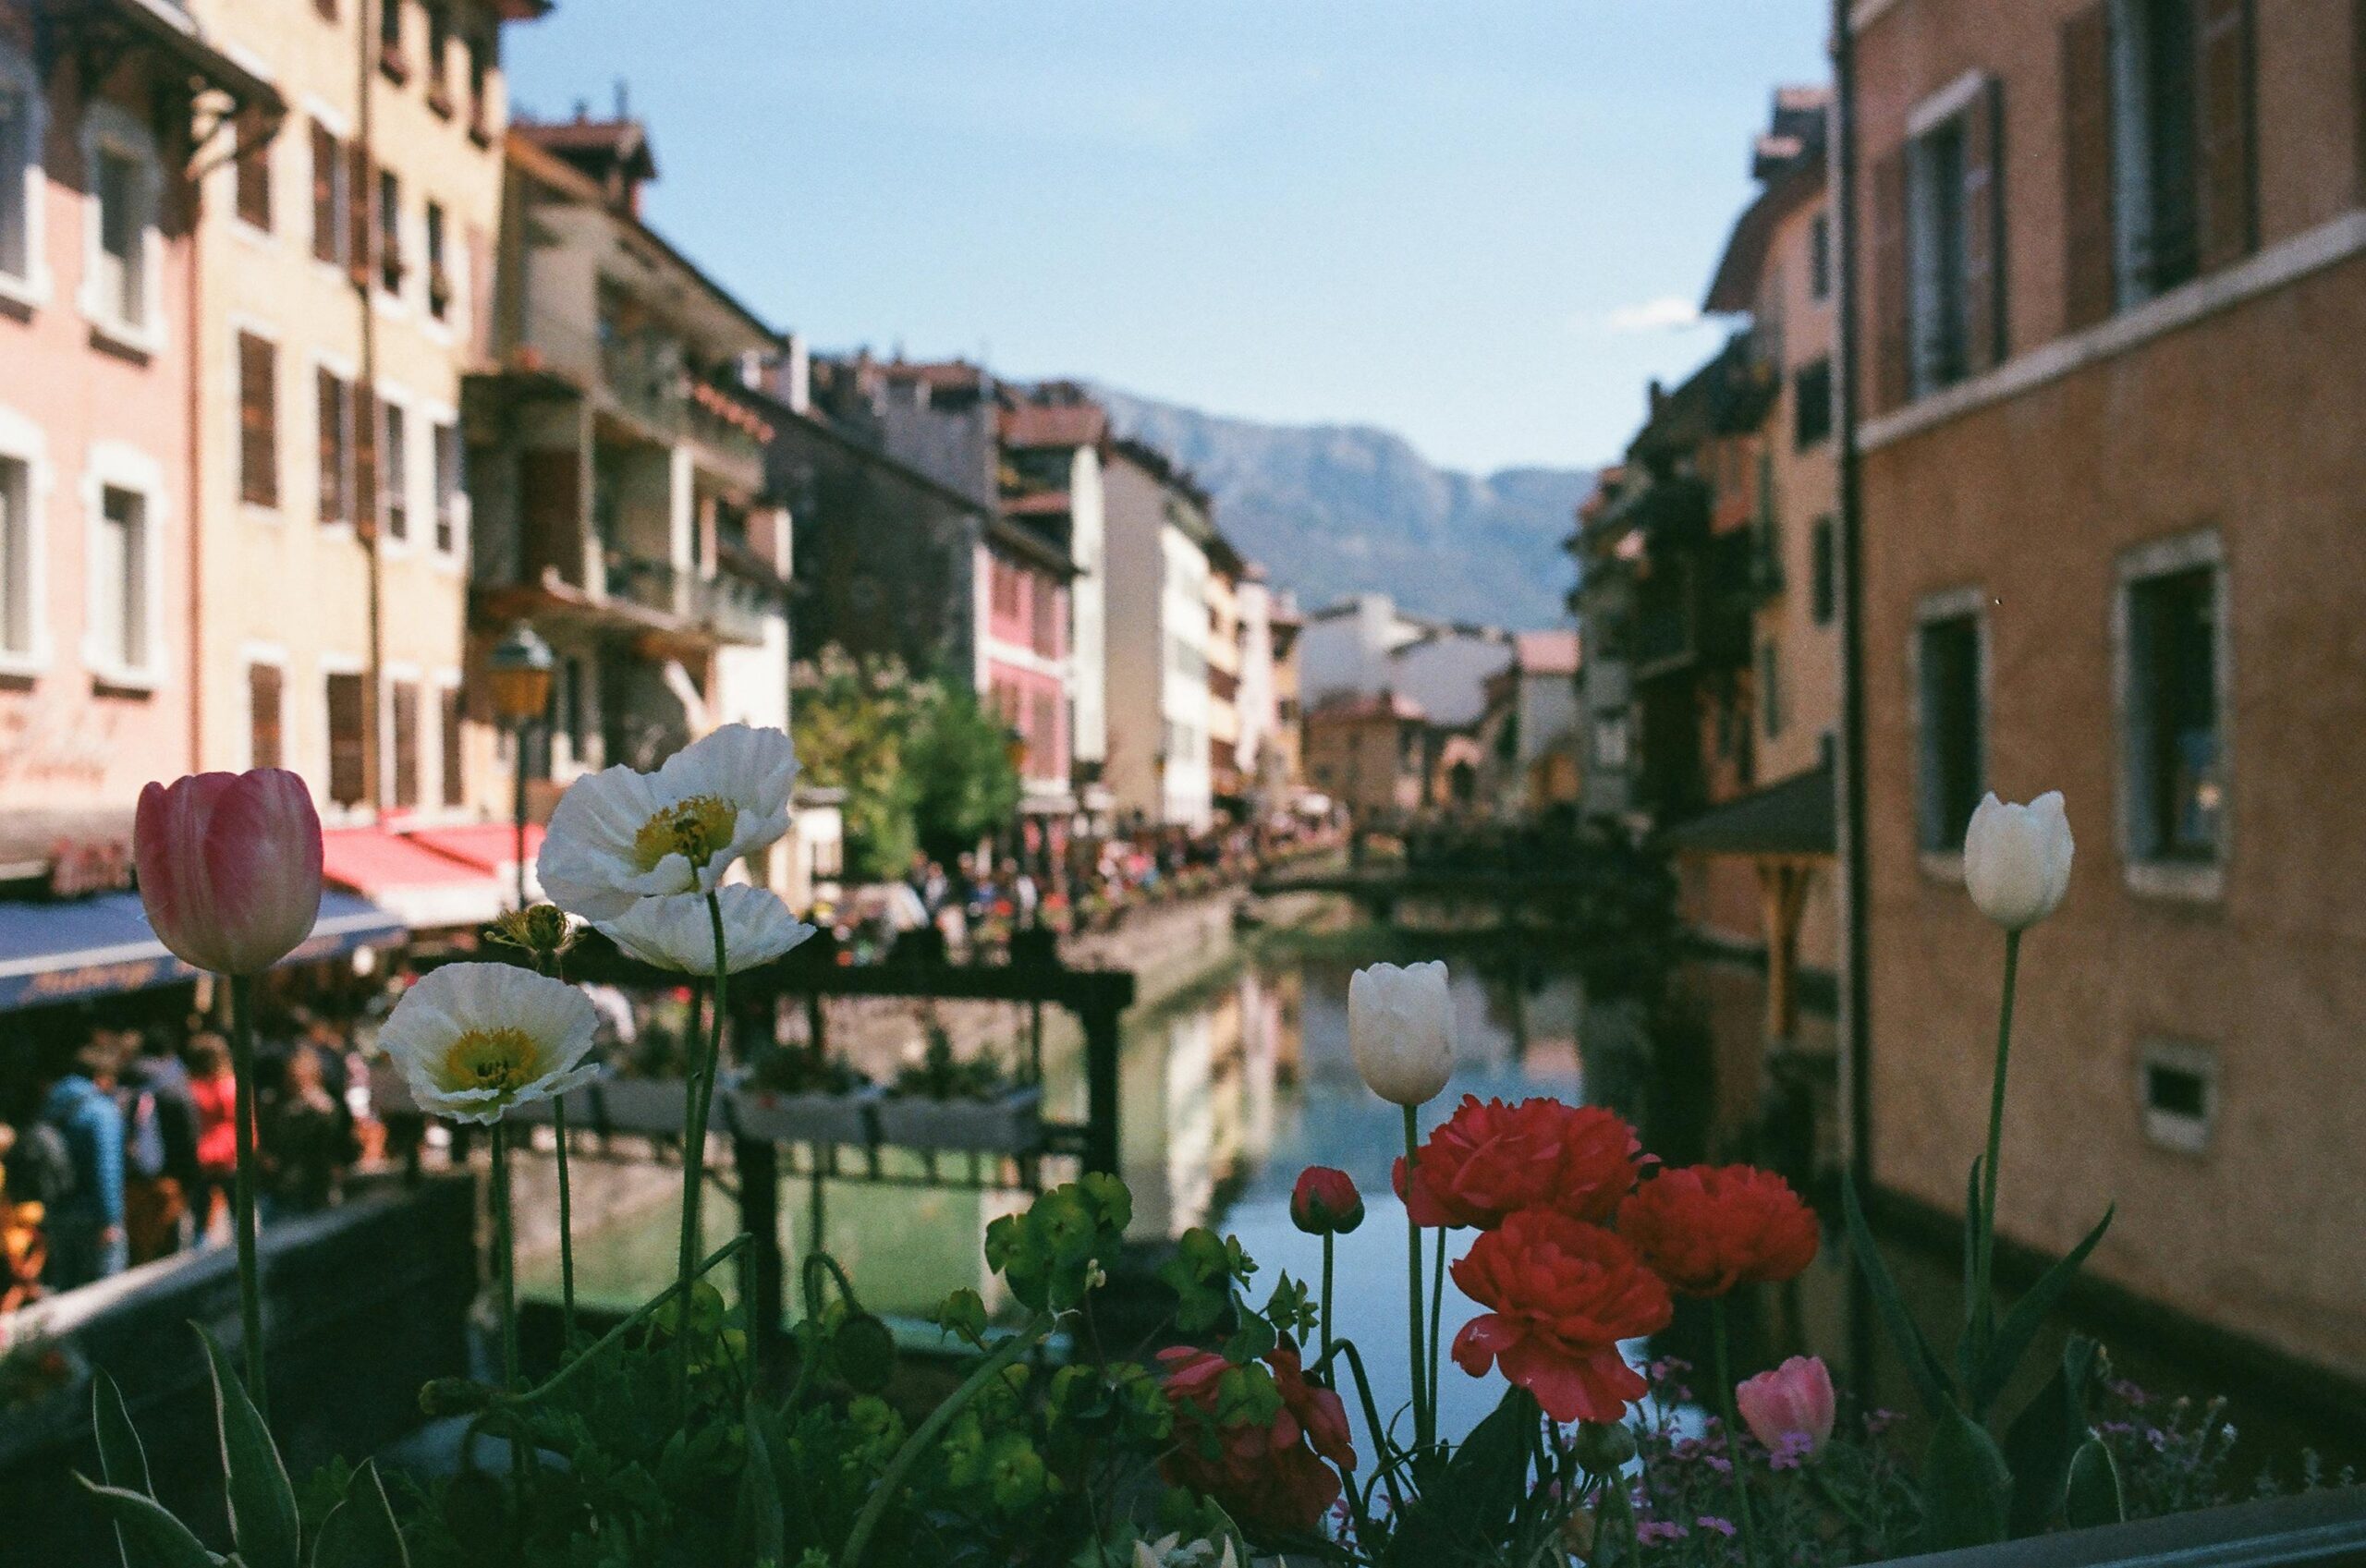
{"x": 676, "y": 932}
{"x": 2017, "y": 859}
{"x": 1400, "y": 1026}
{"x": 473, "y": 1039}
{"x": 619, "y": 836}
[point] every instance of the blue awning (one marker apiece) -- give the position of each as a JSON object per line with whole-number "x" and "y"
{"x": 81, "y": 947}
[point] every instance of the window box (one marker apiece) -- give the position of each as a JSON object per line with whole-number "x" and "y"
{"x": 653, "y": 1107}
{"x": 1011, "y": 1124}
{"x": 813, "y": 1117}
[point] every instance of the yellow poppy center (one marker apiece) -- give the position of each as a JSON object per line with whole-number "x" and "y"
{"x": 697, "y": 829}
{"x": 503, "y": 1059}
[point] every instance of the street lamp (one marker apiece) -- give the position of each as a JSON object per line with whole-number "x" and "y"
{"x": 518, "y": 672}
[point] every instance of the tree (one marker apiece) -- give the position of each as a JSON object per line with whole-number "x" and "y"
{"x": 851, "y": 719}
{"x": 960, "y": 760}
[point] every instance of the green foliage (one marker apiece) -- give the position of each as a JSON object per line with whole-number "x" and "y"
{"x": 2093, "y": 1496}
{"x": 2039, "y": 1445}
{"x": 960, "y": 755}
{"x": 940, "y": 1074}
{"x": 1051, "y": 1255}
{"x": 263, "y": 1504}
{"x": 1965, "y": 1488}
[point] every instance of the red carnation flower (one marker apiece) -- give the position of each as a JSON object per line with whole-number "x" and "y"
{"x": 1271, "y": 1478}
{"x": 1563, "y": 1294}
{"x": 1707, "y": 1228}
{"x": 1489, "y": 1160}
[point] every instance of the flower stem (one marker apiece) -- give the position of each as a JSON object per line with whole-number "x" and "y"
{"x": 697, "y": 1096}
{"x": 1328, "y": 1241}
{"x": 1438, "y": 1312}
{"x": 1983, "y": 1306}
{"x": 243, "y": 1190}
{"x": 1413, "y": 1286}
{"x": 1734, "y": 1429}
{"x": 640, "y": 1315}
{"x": 565, "y": 1233}
{"x": 504, "y": 1256}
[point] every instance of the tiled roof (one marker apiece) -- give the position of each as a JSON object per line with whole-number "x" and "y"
{"x": 1066, "y": 424}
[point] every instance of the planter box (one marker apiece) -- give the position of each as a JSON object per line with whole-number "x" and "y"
{"x": 767, "y": 1115}
{"x": 1012, "y": 1125}
{"x": 650, "y": 1106}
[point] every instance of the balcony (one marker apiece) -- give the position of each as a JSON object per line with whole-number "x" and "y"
{"x": 726, "y": 608}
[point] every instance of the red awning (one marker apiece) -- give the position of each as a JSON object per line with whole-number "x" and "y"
{"x": 430, "y": 890}
{"x": 488, "y": 846}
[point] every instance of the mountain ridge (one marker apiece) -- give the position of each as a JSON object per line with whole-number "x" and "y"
{"x": 1335, "y": 509}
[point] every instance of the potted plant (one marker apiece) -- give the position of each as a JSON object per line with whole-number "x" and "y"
{"x": 801, "y": 1097}
{"x": 945, "y": 1103}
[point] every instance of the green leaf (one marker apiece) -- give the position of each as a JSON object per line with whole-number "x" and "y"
{"x": 2041, "y": 1438}
{"x": 1966, "y": 1488}
{"x": 1979, "y": 1316}
{"x": 1465, "y": 1512}
{"x": 1931, "y": 1383}
{"x": 151, "y": 1538}
{"x": 262, "y": 1506}
{"x": 360, "y": 1532}
{"x": 764, "y": 1525}
{"x": 2029, "y": 1314}
{"x": 2093, "y": 1496}
{"x": 122, "y": 1460}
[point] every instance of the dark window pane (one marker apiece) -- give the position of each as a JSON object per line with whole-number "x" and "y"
{"x": 2173, "y": 659}
{"x": 1951, "y": 763}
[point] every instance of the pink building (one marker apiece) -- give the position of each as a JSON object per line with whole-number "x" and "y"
{"x": 1024, "y": 654}
{"x": 98, "y": 396}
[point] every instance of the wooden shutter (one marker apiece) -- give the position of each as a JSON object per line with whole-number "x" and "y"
{"x": 326, "y": 219}
{"x": 348, "y": 756}
{"x": 2226, "y": 172}
{"x": 327, "y": 8}
{"x": 258, "y": 420}
{"x": 359, "y": 206}
{"x": 336, "y": 473}
{"x": 449, "y": 749}
{"x": 1891, "y": 344}
{"x": 265, "y": 749}
{"x": 1984, "y": 228}
{"x": 405, "y": 698}
{"x": 253, "y": 180}
{"x": 2090, "y": 263}
{"x": 368, "y": 504}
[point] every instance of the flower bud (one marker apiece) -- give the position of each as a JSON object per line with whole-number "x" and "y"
{"x": 1603, "y": 1447}
{"x": 1326, "y": 1202}
{"x": 2017, "y": 859}
{"x": 1400, "y": 1026}
{"x": 230, "y": 867}
{"x": 1791, "y": 1405}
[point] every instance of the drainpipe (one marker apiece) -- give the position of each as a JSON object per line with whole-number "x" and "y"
{"x": 1856, "y": 885}
{"x": 194, "y": 187}
{"x": 364, "y": 170}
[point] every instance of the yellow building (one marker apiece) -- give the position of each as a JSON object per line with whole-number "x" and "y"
{"x": 347, "y": 252}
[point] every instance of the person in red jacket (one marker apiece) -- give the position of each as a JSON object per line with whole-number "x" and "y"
{"x": 215, "y": 1090}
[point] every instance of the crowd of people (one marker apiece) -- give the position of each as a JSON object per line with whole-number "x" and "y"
{"x": 123, "y": 1144}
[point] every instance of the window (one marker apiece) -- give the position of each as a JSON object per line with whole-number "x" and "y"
{"x": 327, "y": 8}
{"x": 1823, "y": 572}
{"x": 258, "y": 420}
{"x": 448, "y": 746}
{"x": 1812, "y": 404}
{"x": 2177, "y": 1084}
{"x": 1770, "y": 689}
{"x": 568, "y": 707}
{"x": 2176, "y": 796}
{"x": 1936, "y": 239}
{"x": 480, "y": 71}
{"x": 445, "y": 441}
{"x": 1953, "y": 763}
{"x": 329, "y": 174}
{"x": 265, "y": 745}
{"x": 402, "y": 701}
{"x": 393, "y": 471}
{"x": 336, "y": 432}
{"x": 1819, "y": 257}
{"x": 21, "y": 182}
{"x": 439, "y": 271}
{"x": 390, "y": 40}
{"x": 439, "y": 45}
{"x": 120, "y": 290}
{"x": 119, "y": 585}
{"x": 20, "y": 596}
{"x": 2153, "y": 138}
{"x": 1937, "y": 265}
{"x": 348, "y": 745}
{"x": 390, "y": 232}
{"x": 251, "y": 176}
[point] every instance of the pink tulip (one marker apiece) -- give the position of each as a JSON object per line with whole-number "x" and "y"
{"x": 1789, "y": 1407}
{"x": 230, "y": 867}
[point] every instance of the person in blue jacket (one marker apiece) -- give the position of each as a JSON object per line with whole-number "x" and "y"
{"x": 87, "y": 1240}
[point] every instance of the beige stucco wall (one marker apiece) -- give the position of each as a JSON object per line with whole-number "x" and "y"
{"x": 1806, "y": 489}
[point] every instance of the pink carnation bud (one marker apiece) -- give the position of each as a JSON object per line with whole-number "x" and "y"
{"x": 1326, "y": 1202}
{"x": 1790, "y": 1406}
{"x": 230, "y": 867}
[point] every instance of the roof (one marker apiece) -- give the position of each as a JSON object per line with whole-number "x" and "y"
{"x": 1788, "y": 162}
{"x": 1546, "y": 653}
{"x": 1794, "y": 817}
{"x": 626, "y": 141}
{"x": 169, "y": 27}
{"x": 1041, "y": 504}
{"x": 1353, "y": 707}
{"x": 1053, "y": 424}
{"x": 1160, "y": 467}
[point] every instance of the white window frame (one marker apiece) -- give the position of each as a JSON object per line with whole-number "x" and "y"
{"x": 276, "y": 656}
{"x": 386, "y": 398}
{"x": 345, "y": 372}
{"x": 429, "y": 418}
{"x": 115, "y": 465}
{"x": 393, "y": 303}
{"x": 439, "y": 328}
{"x": 2168, "y": 1129}
{"x": 109, "y": 128}
{"x": 341, "y": 201}
{"x": 30, "y": 288}
{"x": 1949, "y": 605}
{"x": 2187, "y": 881}
{"x": 24, "y": 441}
{"x": 431, "y": 718}
{"x": 275, "y": 175}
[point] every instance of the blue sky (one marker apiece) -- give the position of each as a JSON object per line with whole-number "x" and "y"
{"x": 1479, "y": 222}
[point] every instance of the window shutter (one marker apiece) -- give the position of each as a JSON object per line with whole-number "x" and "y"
{"x": 2229, "y": 209}
{"x": 263, "y": 706}
{"x": 405, "y": 698}
{"x": 1890, "y": 342}
{"x": 334, "y": 479}
{"x": 449, "y": 751}
{"x": 253, "y": 186}
{"x": 368, "y": 504}
{"x": 258, "y": 420}
{"x": 325, "y": 217}
{"x": 1983, "y": 226}
{"x": 347, "y": 756}
{"x": 2090, "y": 271}
{"x": 359, "y": 193}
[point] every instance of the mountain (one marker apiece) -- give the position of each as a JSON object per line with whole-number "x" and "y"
{"x": 1338, "y": 509}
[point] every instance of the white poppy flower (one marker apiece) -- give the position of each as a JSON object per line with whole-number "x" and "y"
{"x": 473, "y": 1039}
{"x": 1400, "y": 1028}
{"x": 1172, "y": 1552}
{"x": 676, "y": 933}
{"x": 2017, "y": 859}
{"x": 619, "y": 836}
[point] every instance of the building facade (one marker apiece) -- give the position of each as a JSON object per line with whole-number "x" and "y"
{"x": 1369, "y": 754}
{"x": 1159, "y": 539}
{"x": 1053, "y": 437}
{"x": 2113, "y": 257}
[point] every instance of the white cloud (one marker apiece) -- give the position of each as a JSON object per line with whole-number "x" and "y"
{"x": 1669, "y": 312}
